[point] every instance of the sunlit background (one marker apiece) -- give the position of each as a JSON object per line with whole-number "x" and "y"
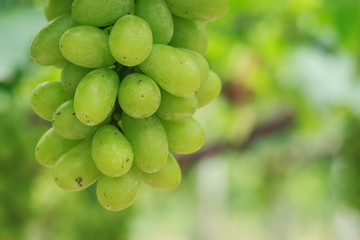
{"x": 282, "y": 157}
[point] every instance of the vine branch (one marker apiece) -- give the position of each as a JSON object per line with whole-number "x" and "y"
{"x": 277, "y": 124}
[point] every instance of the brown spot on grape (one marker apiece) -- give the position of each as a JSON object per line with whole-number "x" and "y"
{"x": 79, "y": 180}
{"x": 58, "y": 113}
{"x": 73, "y": 114}
{"x": 127, "y": 160}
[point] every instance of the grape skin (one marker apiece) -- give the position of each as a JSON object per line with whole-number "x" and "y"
{"x": 190, "y": 35}
{"x": 56, "y": 8}
{"x": 139, "y": 96}
{"x": 95, "y": 96}
{"x": 133, "y": 75}
{"x": 168, "y": 178}
{"x": 111, "y": 151}
{"x": 157, "y": 14}
{"x": 130, "y": 40}
{"x": 45, "y": 49}
{"x": 116, "y": 194}
{"x": 173, "y": 70}
{"x": 51, "y": 147}
{"x": 66, "y": 124}
{"x": 149, "y": 155}
{"x": 87, "y": 47}
{"x": 209, "y": 89}
{"x": 47, "y": 97}
{"x": 75, "y": 170}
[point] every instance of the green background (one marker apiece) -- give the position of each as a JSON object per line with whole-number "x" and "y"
{"x": 287, "y": 122}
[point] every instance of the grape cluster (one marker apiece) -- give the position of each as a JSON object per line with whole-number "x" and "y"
{"x": 133, "y": 74}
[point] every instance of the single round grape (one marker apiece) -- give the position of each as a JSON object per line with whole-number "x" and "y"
{"x": 111, "y": 152}
{"x": 157, "y": 14}
{"x": 100, "y": 13}
{"x": 200, "y": 61}
{"x": 173, "y": 70}
{"x": 184, "y": 137}
{"x": 75, "y": 170}
{"x": 56, "y": 8}
{"x": 139, "y": 96}
{"x": 148, "y": 140}
{"x": 116, "y": 194}
{"x": 189, "y": 34}
{"x": 174, "y": 108}
{"x": 44, "y": 49}
{"x": 87, "y": 47}
{"x": 47, "y": 97}
{"x": 209, "y": 89}
{"x": 130, "y": 40}
{"x": 167, "y": 178}
{"x": 95, "y": 96}
{"x": 71, "y": 76}
{"x": 67, "y": 125}
{"x": 51, "y": 147}
{"x": 202, "y": 10}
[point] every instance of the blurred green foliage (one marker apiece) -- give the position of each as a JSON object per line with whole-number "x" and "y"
{"x": 291, "y": 56}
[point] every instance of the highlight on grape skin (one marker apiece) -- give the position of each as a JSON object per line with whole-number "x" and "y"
{"x": 133, "y": 74}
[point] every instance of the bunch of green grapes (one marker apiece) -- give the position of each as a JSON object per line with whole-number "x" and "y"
{"x": 133, "y": 75}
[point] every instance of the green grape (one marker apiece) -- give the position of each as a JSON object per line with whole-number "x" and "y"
{"x": 169, "y": 177}
{"x": 139, "y": 96}
{"x": 157, "y": 14}
{"x": 111, "y": 152}
{"x": 148, "y": 140}
{"x": 47, "y": 97}
{"x": 174, "y": 108}
{"x": 202, "y": 10}
{"x": 130, "y": 40}
{"x": 87, "y": 47}
{"x": 75, "y": 170}
{"x": 95, "y": 96}
{"x": 100, "y": 13}
{"x": 201, "y": 62}
{"x": 173, "y": 70}
{"x": 67, "y": 125}
{"x": 189, "y": 34}
{"x": 51, "y": 147}
{"x": 71, "y": 76}
{"x": 45, "y": 46}
{"x": 116, "y": 194}
{"x": 209, "y": 89}
{"x": 185, "y": 137}
{"x": 56, "y": 8}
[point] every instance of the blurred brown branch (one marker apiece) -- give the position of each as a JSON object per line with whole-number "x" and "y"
{"x": 277, "y": 124}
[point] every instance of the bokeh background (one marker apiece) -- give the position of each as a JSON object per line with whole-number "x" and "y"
{"x": 282, "y": 155}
